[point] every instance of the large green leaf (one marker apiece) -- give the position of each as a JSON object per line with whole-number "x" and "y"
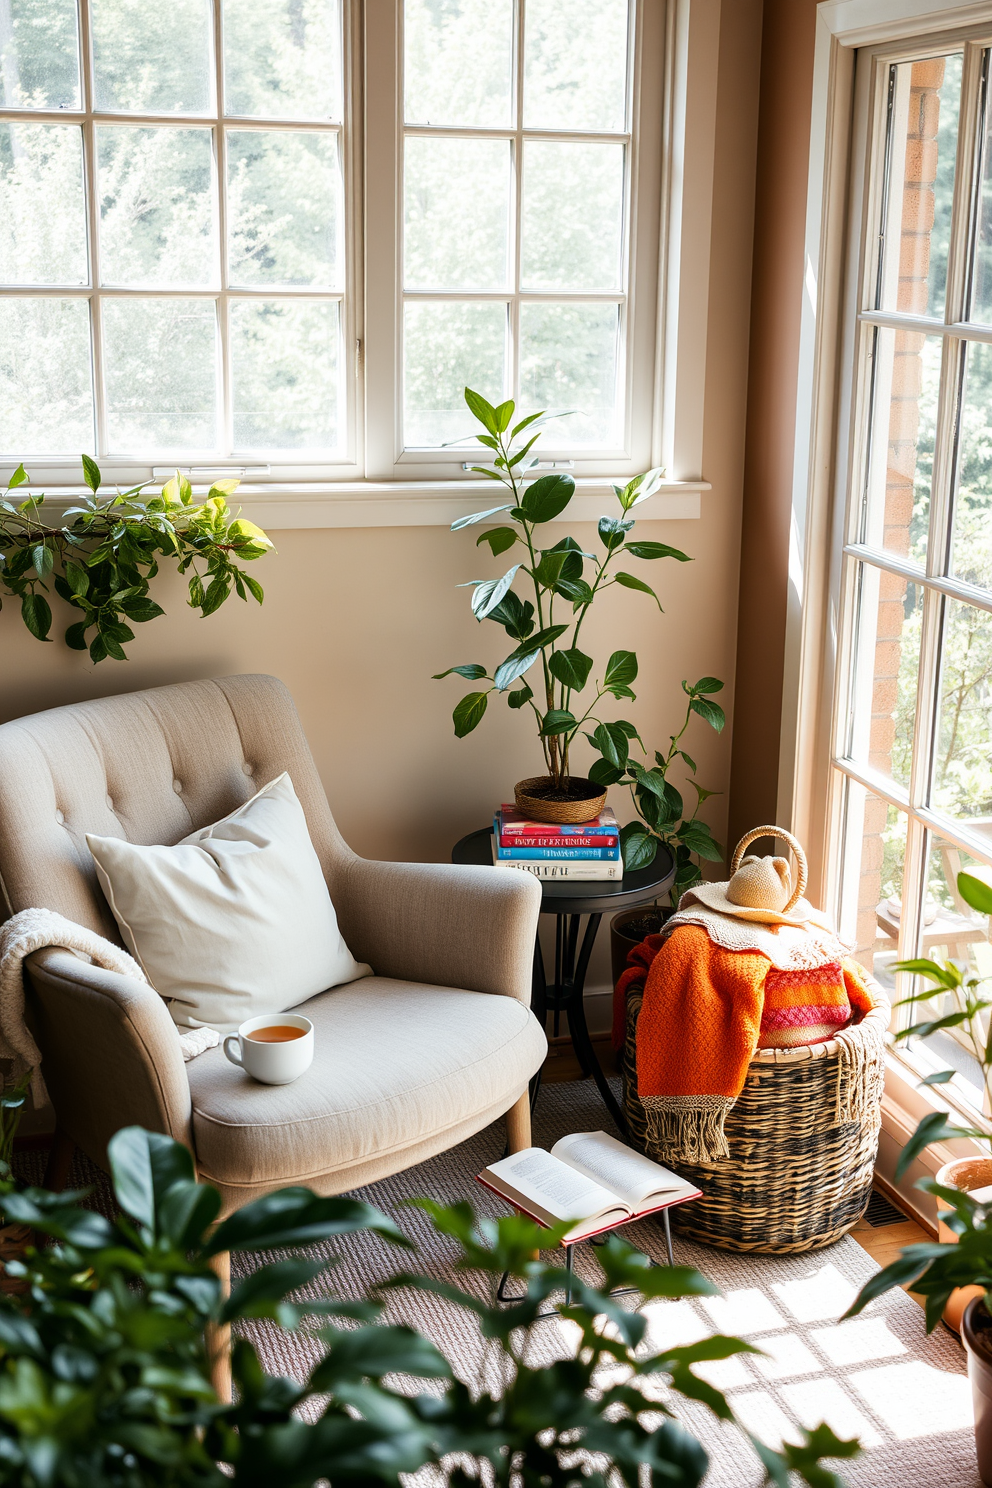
{"x": 36, "y": 613}
{"x": 498, "y": 538}
{"x": 539, "y": 640}
{"x": 628, "y": 581}
{"x": 520, "y": 697}
{"x": 514, "y": 667}
{"x": 489, "y": 594}
{"x": 483, "y": 410}
{"x": 699, "y": 839}
{"x": 657, "y": 550}
{"x": 469, "y": 712}
{"x": 548, "y": 571}
{"x": 621, "y": 669}
{"x": 612, "y": 532}
{"x": 295, "y": 1216}
{"x": 376, "y": 1351}
{"x": 611, "y": 741}
{"x": 548, "y": 497}
{"x": 976, "y": 892}
{"x": 144, "y": 1165}
{"x": 711, "y": 712}
{"x": 572, "y": 667}
{"x": 479, "y": 516}
{"x": 470, "y": 670}
{"x": 91, "y": 473}
{"x": 933, "y": 1128}
{"x": 707, "y": 684}
{"x": 557, "y": 721}
{"x": 639, "y": 851}
{"x": 603, "y": 773}
{"x": 516, "y": 615}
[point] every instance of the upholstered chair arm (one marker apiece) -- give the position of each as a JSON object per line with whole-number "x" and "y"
{"x": 110, "y": 1052}
{"x": 445, "y": 923}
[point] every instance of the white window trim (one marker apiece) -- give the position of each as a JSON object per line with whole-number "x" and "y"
{"x": 306, "y": 497}
{"x": 826, "y": 364}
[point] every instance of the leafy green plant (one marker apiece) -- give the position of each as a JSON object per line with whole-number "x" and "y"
{"x": 659, "y": 806}
{"x": 104, "y": 1378}
{"x": 562, "y": 575}
{"x": 936, "y": 1269}
{"x": 103, "y": 556}
{"x": 12, "y": 1099}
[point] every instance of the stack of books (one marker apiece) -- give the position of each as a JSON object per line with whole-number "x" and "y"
{"x": 588, "y": 850}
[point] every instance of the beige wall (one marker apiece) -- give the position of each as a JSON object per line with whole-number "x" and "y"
{"x": 356, "y": 620}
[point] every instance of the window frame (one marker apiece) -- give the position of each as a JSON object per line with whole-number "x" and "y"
{"x": 830, "y": 423}
{"x": 128, "y": 467}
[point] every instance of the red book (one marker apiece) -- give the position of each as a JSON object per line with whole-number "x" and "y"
{"x": 513, "y": 823}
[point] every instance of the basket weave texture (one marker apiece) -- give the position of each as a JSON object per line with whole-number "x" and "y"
{"x": 793, "y": 1181}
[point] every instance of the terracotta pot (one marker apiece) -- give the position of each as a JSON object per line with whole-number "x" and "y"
{"x": 584, "y": 802}
{"x": 629, "y": 927}
{"x": 976, "y": 1335}
{"x": 966, "y": 1174}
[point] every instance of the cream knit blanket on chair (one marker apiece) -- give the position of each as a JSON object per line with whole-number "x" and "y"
{"x": 33, "y": 929}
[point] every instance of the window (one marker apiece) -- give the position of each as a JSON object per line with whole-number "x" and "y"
{"x": 912, "y": 746}
{"x": 173, "y": 253}
{"x": 207, "y": 259}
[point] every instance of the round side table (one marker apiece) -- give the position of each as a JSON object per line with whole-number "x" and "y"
{"x": 568, "y": 900}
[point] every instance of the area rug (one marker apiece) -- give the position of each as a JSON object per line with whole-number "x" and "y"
{"x": 877, "y": 1377}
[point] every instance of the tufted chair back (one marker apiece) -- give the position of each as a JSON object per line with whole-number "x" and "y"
{"x": 149, "y": 767}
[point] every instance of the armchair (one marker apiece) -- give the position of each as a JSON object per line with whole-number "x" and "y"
{"x": 438, "y": 1044}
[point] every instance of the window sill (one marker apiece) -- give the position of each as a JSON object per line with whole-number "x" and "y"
{"x": 283, "y": 507}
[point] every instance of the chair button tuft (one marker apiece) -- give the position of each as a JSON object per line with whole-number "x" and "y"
{"x": 177, "y": 786}
{"x": 59, "y": 818}
{"x": 247, "y": 768}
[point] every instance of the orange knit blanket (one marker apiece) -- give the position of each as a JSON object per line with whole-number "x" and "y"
{"x": 705, "y": 1013}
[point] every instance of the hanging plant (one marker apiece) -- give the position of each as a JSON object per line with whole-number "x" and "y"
{"x": 103, "y": 556}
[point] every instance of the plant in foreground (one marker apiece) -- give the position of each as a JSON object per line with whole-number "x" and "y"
{"x": 103, "y": 556}
{"x": 104, "y": 1377}
{"x": 936, "y": 1270}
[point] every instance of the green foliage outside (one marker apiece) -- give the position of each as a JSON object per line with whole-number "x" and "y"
{"x": 104, "y": 1368}
{"x": 935, "y": 1269}
{"x": 567, "y": 576}
{"x": 101, "y": 560}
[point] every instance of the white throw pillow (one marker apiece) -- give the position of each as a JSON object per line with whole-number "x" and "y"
{"x": 233, "y": 921}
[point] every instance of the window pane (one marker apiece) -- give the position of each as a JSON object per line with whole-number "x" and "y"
{"x": 922, "y": 146}
{"x": 568, "y": 364}
{"x": 160, "y": 366}
{"x": 458, "y": 62}
{"x": 871, "y": 886}
{"x": 43, "y": 222}
{"x": 152, "y": 57}
{"x": 157, "y": 207}
{"x": 963, "y": 764}
{"x": 579, "y": 248}
{"x": 284, "y": 207}
{"x": 282, "y": 60}
{"x": 904, "y": 421}
{"x": 46, "y": 398}
{"x": 457, "y": 213}
{"x": 575, "y": 72}
{"x": 448, "y": 347}
{"x": 981, "y": 284}
{"x": 39, "y": 55}
{"x": 971, "y": 546}
{"x": 284, "y": 368}
{"x": 953, "y": 930}
{"x": 886, "y": 669}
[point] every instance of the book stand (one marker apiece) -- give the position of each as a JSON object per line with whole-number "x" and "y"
{"x": 506, "y": 1301}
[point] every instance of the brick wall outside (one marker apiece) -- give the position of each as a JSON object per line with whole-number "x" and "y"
{"x": 904, "y": 418}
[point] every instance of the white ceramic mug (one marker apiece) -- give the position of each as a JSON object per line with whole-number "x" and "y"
{"x": 276, "y": 1063}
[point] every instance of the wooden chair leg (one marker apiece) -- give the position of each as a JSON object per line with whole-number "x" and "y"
{"x": 518, "y": 1124}
{"x": 59, "y": 1161}
{"x": 219, "y": 1335}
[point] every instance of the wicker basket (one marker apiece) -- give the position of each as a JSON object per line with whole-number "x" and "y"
{"x": 793, "y": 1181}
{"x": 567, "y": 813}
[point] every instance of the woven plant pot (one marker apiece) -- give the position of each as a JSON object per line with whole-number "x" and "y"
{"x": 584, "y": 803}
{"x": 793, "y": 1181}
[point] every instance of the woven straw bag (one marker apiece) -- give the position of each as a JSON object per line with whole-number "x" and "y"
{"x": 795, "y": 1179}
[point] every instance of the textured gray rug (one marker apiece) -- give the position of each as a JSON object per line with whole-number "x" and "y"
{"x": 877, "y": 1377}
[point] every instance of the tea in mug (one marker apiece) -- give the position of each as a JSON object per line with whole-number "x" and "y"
{"x": 276, "y": 1033}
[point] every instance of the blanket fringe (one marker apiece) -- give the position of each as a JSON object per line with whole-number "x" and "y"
{"x": 687, "y": 1133}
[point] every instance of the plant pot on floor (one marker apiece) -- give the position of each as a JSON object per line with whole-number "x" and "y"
{"x": 576, "y": 800}
{"x": 976, "y": 1335}
{"x": 966, "y": 1174}
{"x": 630, "y": 927}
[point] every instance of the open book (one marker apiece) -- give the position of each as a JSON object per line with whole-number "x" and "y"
{"x": 589, "y": 1177}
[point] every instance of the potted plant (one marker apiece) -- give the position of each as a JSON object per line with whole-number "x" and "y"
{"x": 101, "y": 561}
{"x": 954, "y": 1274}
{"x": 105, "y": 1363}
{"x": 563, "y": 576}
